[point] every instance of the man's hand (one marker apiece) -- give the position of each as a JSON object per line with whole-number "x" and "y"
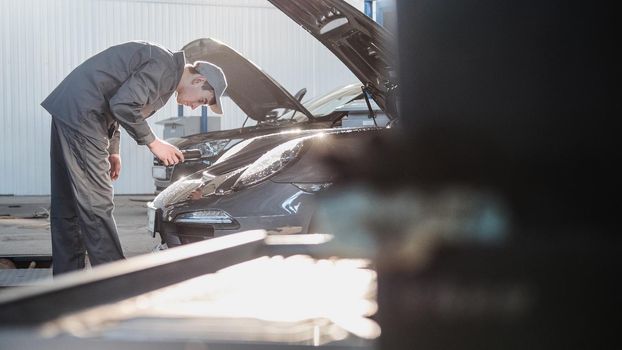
{"x": 115, "y": 166}
{"x": 167, "y": 153}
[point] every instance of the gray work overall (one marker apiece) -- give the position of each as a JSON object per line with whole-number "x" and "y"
{"x": 124, "y": 85}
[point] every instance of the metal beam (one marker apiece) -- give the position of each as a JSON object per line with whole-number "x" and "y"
{"x": 124, "y": 279}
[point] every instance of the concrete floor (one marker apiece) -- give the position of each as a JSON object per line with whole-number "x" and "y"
{"x": 25, "y": 230}
{"x": 21, "y": 232}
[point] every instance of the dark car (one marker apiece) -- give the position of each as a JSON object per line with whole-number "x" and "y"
{"x": 263, "y": 100}
{"x": 270, "y": 182}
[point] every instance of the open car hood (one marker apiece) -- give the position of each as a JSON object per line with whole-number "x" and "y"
{"x": 359, "y": 42}
{"x": 254, "y": 91}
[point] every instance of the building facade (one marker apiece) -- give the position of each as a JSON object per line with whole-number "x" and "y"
{"x": 43, "y": 40}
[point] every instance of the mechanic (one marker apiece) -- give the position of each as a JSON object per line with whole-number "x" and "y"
{"x": 122, "y": 85}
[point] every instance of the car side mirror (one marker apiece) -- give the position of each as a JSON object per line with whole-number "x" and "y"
{"x": 300, "y": 94}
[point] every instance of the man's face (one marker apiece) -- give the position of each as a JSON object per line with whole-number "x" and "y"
{"x": 193, "y": 95}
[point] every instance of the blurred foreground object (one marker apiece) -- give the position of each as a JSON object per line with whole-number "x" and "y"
{"x": 508, "y": 106}
{"x": 242, "y": 291}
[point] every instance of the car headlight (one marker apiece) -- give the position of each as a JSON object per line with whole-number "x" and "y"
{"x": 211, "y": 148}
{"x": 205, "y": 217}
{"x": 180, "y": 190}
{"x": 313, "y": 187}
{"x": 271, "y": 162}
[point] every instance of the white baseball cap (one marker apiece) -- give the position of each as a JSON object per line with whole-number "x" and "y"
{"x": 216, "y": 78}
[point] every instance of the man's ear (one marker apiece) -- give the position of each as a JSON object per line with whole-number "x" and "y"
{"x": 198, "y": 80}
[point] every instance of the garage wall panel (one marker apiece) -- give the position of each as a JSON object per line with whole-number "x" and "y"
{"x": 41, "y": 41}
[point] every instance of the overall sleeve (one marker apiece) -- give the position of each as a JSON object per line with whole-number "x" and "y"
{"x": 132, "y": 96}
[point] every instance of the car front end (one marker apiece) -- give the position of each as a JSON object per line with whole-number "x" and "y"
{"x": 277, "y": 191}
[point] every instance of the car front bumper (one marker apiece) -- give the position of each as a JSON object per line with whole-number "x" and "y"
{"x": 278, "y": 207}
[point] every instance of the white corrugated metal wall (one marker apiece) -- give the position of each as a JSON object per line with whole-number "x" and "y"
{"x": 43, "y": 40}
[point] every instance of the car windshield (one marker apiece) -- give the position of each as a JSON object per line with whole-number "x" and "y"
{"x": 326, "y": 104}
